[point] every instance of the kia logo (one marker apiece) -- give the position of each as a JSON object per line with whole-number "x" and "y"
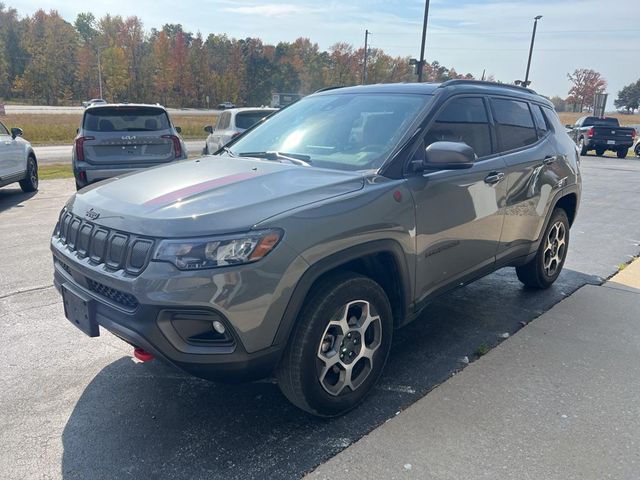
{"x": 128, "y": 137}
{"x": 92, "y": 214}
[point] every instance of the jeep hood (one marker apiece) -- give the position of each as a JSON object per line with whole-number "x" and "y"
{"x": 210, "y": 195}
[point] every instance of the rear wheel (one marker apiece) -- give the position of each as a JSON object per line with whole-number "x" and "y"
{"x": 339, "y": 347}
{"x": 637, "y": 149}
{"x": 599, "y": 152}
{"x": 622, "y": 153}
{"x": 582, "y": 146}
{"x": 545, "y": 267}
{"x": 30, "y": 182}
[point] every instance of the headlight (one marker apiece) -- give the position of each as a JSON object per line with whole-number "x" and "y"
{"x": 199, "y": 253}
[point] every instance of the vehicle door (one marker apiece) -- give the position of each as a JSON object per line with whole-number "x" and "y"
{"x": 459, "y": 213}
{"x": 11, "y": 154}
{"x": 526, "y": 144}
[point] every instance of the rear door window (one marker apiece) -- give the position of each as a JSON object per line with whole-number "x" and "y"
{"x": 246, "y": 120}
{"x": 225, "y": 119}
{"x": 514, "y": 124}
{"x": 126, "y": 119}
{"x": 463, "y": 120}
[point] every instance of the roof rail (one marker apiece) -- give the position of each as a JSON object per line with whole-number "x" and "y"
{"x": 483, "y": 82}
{"x": 332, "y": 87}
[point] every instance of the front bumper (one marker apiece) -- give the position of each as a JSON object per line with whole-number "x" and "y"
{"x": 161, "y": 291}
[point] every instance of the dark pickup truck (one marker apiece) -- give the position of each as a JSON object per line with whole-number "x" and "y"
{"x": 601, "y": 134}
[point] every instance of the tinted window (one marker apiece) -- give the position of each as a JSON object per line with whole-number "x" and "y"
{"x": 607, "y": 121}
{"x": 514, "y": 124}
{"x": 541, "y": 121}
{"x": 246, "y": 120}
{"x": 125, "y": 119}
{"x": 3, "y": 130}
{"x": 463, "y": 120}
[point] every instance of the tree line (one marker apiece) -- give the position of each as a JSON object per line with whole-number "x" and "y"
{"x": 45, "y": 59}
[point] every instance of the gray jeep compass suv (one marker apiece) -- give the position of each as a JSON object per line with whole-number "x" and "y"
{"x": 300, "y": 247}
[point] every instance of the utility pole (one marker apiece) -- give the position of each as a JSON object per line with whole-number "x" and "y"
{"x": 533, "y": 39}
{"x": 99, "y": 73}
{"x": 424, "y": 39}
{"x": 366, "y": 54}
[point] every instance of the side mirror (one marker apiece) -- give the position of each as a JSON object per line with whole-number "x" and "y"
{"x": 16, "y": 132}
{"x": 446, "y": 156}
{"x": 178, "y": 129}
{"x": 208, "y": 129}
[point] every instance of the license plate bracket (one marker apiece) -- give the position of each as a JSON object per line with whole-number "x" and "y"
{"x": 611, "y": 142}
{"x": 80, "y": 310}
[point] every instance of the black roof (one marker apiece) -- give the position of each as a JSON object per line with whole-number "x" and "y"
{"x": 471, "y": 86}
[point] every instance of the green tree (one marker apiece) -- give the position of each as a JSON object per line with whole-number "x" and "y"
{"x": 629, "y": 97}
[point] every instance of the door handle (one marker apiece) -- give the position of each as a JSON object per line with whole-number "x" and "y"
{"x": 549, "y": 159}
{"x": 493, "y": 177}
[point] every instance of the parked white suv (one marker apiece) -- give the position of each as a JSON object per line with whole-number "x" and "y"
{"x": 232, "y": 123}
{"x": 17, "y": 160}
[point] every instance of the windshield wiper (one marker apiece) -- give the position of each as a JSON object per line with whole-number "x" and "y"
{"x": 295, "y": 158}
{"x": 228, "y": 151}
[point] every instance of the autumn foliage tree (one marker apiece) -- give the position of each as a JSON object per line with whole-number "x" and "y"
{"x": 585, "y": 83}
{"x": 44, "y": 58}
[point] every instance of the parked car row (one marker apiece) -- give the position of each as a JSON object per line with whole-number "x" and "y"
{"x": 18, "y": 161}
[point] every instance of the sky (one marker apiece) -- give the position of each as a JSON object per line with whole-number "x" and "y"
{"x": 471, "y": 35}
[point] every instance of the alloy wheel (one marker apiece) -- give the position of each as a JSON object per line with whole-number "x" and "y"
{"x": 555, "y": 248}
{"x": 346, "y": 352}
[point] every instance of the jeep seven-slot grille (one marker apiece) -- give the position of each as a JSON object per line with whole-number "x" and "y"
{"x": 116, "y": 250}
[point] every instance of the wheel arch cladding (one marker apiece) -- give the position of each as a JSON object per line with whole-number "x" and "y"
{"x": 382, "y": 260}
{"x": 569, "y": 204}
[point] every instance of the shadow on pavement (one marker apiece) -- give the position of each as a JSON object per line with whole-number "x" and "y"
{"x": 151, "y": 421}
{"x": 11, "y": 197}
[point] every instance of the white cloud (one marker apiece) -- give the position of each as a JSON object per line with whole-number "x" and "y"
{"x": 270, "y": 10}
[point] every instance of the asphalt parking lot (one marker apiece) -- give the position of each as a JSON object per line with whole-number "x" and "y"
{"x": 73, "y": 407}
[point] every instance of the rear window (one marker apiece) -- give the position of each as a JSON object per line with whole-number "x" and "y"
{"x": 126, "y": 119}
{"x": 595, "y": 121}
{"x": 246, "y": 120}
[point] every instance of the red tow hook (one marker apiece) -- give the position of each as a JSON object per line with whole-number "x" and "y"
{"x": 142, "y": 355}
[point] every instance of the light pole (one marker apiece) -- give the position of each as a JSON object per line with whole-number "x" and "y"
{"x": 533, "y": 39}
{"x": 99, "y": 73}
{"x": 424, "y": 39}
{"x": 366, "y": 54}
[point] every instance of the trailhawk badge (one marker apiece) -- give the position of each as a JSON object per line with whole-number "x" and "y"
{"x": 92, "y": 214}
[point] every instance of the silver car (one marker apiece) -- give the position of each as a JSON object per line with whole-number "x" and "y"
{"x": 115, "y": 139}
{"x": 17, "y": 160}
{"x": 231, "y": 124}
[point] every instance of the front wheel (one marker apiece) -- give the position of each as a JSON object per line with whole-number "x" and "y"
{"x": 30, "y": 182}
{"x": 339, "y": 347}
{"x": 637, "y": 149}
{"x": 599, "y": 152}
{"x": 622, "y": 153}
{"x": 545, "y": 267}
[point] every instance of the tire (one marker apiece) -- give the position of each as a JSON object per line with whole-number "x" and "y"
{"x": 30, "y": 182}
{"x": 582, "y": 146}
{"x": 306, "y": 375}
{"x": 637, "y": 149}
{"x": 622, "y": 153}
{"x": 600, "y": 151}
{"x": 545, "y": 267}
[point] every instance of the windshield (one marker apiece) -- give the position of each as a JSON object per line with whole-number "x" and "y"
{"x": 246, "y": 120}
{"x": 126, "y": 119}
{"x": 341, "y": 131}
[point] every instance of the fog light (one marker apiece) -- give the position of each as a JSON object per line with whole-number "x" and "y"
{"x": 218, "y": 327}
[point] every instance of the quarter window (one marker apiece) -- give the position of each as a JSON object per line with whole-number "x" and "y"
{"x": 514, "y": 124}
{"x": 541, "y": 121}
{"x": 463, "y": 120}
{"x": 3, "y": 130}
{"x": 224, "y": 121}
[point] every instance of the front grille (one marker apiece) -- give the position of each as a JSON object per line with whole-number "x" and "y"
{"x": 125, "y": 299}
{"x": 115, "y": 249}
